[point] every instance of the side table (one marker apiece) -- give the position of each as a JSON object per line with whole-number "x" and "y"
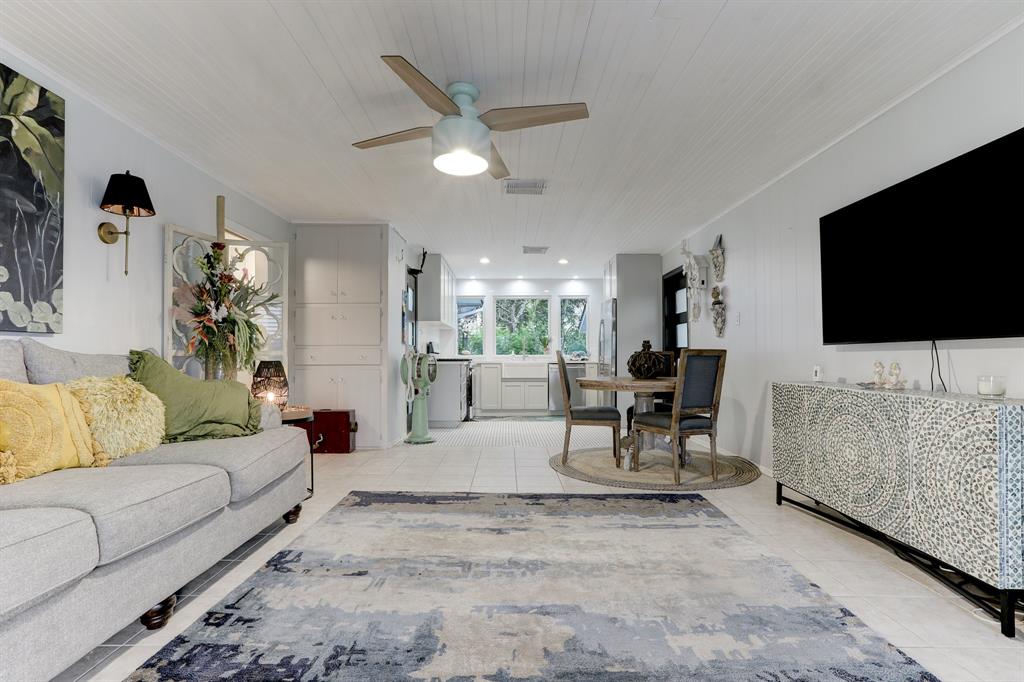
{"x": 302, "y": 417}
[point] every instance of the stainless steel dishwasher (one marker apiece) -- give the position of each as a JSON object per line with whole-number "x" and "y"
{"x": 574, "y": 370}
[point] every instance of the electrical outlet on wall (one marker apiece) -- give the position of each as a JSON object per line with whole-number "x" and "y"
{"x": 816, "y": 373}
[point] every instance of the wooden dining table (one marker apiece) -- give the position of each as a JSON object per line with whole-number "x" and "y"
{"x": 643, "y": 391}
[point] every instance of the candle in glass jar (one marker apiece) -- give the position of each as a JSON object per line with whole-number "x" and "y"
{"x": 991, "y": 385}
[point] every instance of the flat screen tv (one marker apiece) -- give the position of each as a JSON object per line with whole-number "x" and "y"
{"x": 937, "y": 256}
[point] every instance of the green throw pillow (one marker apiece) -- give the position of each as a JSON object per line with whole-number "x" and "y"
{"x": 196, "y": 409}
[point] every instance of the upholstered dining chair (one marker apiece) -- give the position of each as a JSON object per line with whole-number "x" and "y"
{"x": 587, "y": 416}
{"x": 694, "y": 408}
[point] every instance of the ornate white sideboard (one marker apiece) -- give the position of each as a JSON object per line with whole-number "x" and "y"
{"x": 940, "y": 473}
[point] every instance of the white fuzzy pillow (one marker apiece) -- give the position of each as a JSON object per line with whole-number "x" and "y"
{"x": 123, "y": 416}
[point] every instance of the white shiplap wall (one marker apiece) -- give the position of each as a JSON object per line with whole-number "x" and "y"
{"x": 773, "y": 283}
{"x": 694, "y": 104}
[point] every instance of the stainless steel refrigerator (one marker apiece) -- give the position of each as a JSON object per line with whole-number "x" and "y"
{"x": 606, "y": 350}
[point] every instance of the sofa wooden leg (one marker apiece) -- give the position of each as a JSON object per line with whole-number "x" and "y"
{"x": 157, "y": 617}
{"x": 292, "y": 515}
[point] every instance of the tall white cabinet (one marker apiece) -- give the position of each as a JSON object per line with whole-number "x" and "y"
{"x": 338, "y": 329}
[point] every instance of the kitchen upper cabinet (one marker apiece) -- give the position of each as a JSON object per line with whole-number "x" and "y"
{"x": 436, "y": 293}
{"x": 339, "y": 264}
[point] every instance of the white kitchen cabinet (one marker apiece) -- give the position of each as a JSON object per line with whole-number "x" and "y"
{"x": 341, "y": 358}
{"x": 535, "y": 395}
{"x": 316, "y": 257}
{"x": 316, "y": 387}
{"x": 362, "y": 254}
{"x": 436, "y": 293}
{"x": 338, "y": 325}
{"x": 488, "y": 378}
{"x": 512, "y": 395}
{"x": 359, "y": 389}
{"x": 345, "y": 388}
{"x": 337, "y": 355}
{"x": 339, "y": 264}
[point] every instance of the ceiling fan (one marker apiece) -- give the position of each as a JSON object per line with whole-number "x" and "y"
{"x": 462, "y": 138}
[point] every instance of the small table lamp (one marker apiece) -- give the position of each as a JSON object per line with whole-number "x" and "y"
{"x": 126, "y": 195}
{"x": 270, "y": 383}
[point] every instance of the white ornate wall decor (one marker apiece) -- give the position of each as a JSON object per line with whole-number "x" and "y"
{"x": 941, "y": 472}
{"x": 267, "y": 262}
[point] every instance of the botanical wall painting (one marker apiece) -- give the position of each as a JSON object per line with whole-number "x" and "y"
{"x": 31, "y": 205}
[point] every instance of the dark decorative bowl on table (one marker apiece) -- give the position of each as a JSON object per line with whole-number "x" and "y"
{"x": 646, "y": 363}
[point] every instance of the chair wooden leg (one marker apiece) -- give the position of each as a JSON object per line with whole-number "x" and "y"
{"x": 637, "y": 439}
{"x": 714, "y": 457}
{"x": 565, "y": 448}
{"x": 675, "y": 460}
{"x": 616, "y": 448}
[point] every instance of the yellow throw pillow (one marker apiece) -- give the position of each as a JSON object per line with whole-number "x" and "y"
{"x": 45, "y": 429}
{"x": 124, "y": 417}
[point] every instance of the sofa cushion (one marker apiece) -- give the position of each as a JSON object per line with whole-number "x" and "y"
{"x": 45, "y": 428}
{"x": 47, "y": 365}
{"x": 251, "y": 462}
{"x": 12, "y": 361}
{"x": 131, "y": 507}
{"x": 41, "y": 551}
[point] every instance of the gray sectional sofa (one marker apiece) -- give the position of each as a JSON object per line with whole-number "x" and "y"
{"x": 84, "y": 552}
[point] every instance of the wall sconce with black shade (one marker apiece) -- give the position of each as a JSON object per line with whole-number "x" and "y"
{"x": 126, "y": 195}
{"x": 270, "y": 383}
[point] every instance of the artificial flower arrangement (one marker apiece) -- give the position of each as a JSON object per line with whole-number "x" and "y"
{"x": 224, "y": 331}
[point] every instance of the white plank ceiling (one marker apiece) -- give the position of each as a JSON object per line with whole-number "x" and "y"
{"x": 693, "y": 104}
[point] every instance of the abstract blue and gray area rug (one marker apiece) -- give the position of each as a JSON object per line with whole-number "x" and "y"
{"x": 404, "y": 586}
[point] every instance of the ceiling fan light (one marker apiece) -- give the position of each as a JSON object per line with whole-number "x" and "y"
{"x": 461, "y": 146}
{"x": 460, "y": 162}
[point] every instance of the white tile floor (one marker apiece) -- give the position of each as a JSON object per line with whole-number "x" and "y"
{"x": 941, "y": 630}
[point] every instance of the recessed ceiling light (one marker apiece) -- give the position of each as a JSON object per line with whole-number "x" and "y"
{"x": 472, "y": 276}
{"x": 485, "y": 260}
{"x": 519, "y": 276}
{"x": 547, "y": 291}
{"x": 575, "y": 276}
{"x": 562, "y": 261}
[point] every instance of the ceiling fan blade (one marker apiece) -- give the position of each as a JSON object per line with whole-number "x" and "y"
{"x": 515, "y": 118}
{"x": 497, "y": 167}
{"x": 431, "y": 95}
{"x": 392, "y": 138}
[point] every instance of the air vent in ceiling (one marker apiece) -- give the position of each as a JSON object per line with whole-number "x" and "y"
{"x": 519, "y": 186}
{"x": 534, "y": 250}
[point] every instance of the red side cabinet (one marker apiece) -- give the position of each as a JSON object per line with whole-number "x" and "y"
{"x": 334, "y": 431}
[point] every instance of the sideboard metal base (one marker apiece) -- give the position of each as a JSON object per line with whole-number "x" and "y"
{"x": 1000, "y": 604}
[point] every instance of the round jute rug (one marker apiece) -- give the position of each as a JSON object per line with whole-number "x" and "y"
{"x": 596, "y": 465}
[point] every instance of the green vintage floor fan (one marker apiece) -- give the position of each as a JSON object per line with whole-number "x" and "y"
{"x": 418, "y": 371}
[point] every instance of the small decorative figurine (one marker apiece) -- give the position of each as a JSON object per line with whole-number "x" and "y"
{"x": 694, "y": 283}
{"x": 879, "y": 374}
{"x": 645, "y": 363}
{"x": 895, "y": 382}
{"x": 717, "y": 311}
{"x": 717, "y": 255}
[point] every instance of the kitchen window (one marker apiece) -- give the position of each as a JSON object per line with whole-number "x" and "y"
{"x": 470, "y": 314}
{"x": 573, "y": 325}
{"x": 521, "y": 326}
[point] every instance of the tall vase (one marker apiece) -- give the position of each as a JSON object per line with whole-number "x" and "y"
{"x": 220, "y": 367}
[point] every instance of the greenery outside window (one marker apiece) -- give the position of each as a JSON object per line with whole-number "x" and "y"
{"x": 521, "y": 326}
{"x": 573, "y": 324}
{"x": 470, "y": 314}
